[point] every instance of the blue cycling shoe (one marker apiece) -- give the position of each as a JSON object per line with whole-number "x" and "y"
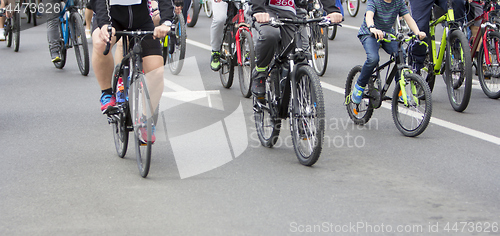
{"x": 357, "y": 94}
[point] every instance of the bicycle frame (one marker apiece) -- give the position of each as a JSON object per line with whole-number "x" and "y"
{"x": 239, "y": 22}
{"x": 486, "y": 27}
{"x": 447, "y": 18}
{"x": 64, "y": 21}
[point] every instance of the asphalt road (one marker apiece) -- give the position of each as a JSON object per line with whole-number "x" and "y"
{"x": 60, "y": 174}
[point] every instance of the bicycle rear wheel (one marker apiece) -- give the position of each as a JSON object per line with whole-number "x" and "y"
{"x": 226, "y": 72}
{"x": 308, "y": 118}
{"x": 16, "y": 30}
{"x": 207, "y": 6}
{"x": 142, "y": 120}
{"x": 412, "y": 118}
{"x": 458, "y": 71}
{"x": 489, "y": 75}
{"x": 193, "y": 13}
{"x": 319, "y": 49}
{"x": 79, "y": 41}
{"x": 177, "y": 47}
{"x": 267, "y": 122}
{"x": 248, "y": 63}
{"x": 360, "y": 113}
{"x": 352, "y": 7}
{"x": 119, "y": 120}
{"x": 8, "y": 32}
{"x": 62, "y": 50}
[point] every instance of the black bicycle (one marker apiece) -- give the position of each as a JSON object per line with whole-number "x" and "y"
{"x": 133, "y": 110}
{"x": 12, "y": 28}
{"x": 174, "y": 45}
{"x": 411, "y": 100}
{"x": 293, "y": 90}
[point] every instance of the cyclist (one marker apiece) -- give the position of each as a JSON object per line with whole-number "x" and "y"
{"x": 53, "y": 31}
{"x": 219, "y": 9}
{"x": 421, "y": 12}
{"x": 2, "y": 22}
{"x": 268, "y": 36}
{"x": 129, "y": 15}
{"x": 379, "y": 18}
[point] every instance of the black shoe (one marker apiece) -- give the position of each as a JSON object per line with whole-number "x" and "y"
{"x": 259, "y": 84}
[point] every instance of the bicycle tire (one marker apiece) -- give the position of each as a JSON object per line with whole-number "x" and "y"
{"x": 119, "y": 123}
{"x": 354, "y": 9}
{"x": 332, "y": 32}
{"x": 207, "y": 6}
{"x": 413, "y": 118}
{"x": 80, "y": 45}
{"x": 248, "y": 63}
{"x": 318, "y": 44}
{"x": 267, "y": 122}
{"x": 28, "y": 14}
{"x": 62, "y": 50}
{"x": 490, "y": 84}
{"x": 139, "y": 102}
{"x": 458, "y": 49}
{"x": 176, "y": 58}
{"x": 363, "y": 1}
{"x": 308, "y": 119}
{"x": 226, "y": 72}
{"x": 16, "y": 30}
{"x": 8, "y": 32}
{"x": 360, "y": 113}
{"x": 193, "y": 14}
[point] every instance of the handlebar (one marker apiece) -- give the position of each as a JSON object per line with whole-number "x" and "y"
{"x": 124, "y": 33}
{"x": 276, "y": 22}
{"x": 388, "y": 37}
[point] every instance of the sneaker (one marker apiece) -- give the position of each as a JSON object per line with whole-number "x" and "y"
{"x": 2, "y": 35}
{"x": 143, "y": 131}
{"x": 215, "y": 61}
{"x": 357, "y": 94}
{"x": 107, "y": 100}
{"x": 258, "y": 83}
{"x": 87, "y": 34}
{"x": 54, "y": 54}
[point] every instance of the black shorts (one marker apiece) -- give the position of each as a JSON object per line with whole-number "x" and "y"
{"x": 149, "y": 45}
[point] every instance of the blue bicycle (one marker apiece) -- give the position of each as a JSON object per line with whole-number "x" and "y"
{"x": 72, "y": 35}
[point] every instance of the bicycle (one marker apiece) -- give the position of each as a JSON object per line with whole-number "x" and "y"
{"x": 488, "y": 58}
{"x": 454, "y": 49}
{"x": 72, "y": 35}
{"x": 352, "y": 7}
{"x": 293, "y": 90}
{"x": 318, "y": 41}
{"x": 174, "y": 45}
{"x": 237, "y": 48}
{"x": 194, "y": 11}
{"x": 128, "y": 114}
{"x": 411, "y": 100}
{"x": 12, "y": 27}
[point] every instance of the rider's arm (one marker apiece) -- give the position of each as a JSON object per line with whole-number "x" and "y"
{"x": 102, "y": 15}
{"x": 166, "y": 10}
{"x": 329, "y": 6}
{"x": 413, "y": 26}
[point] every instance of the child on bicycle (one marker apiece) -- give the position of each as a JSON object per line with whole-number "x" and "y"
{"x": 379, "y": 18}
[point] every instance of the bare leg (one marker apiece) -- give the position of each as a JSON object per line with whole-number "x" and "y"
{"x": 102, "y": 64}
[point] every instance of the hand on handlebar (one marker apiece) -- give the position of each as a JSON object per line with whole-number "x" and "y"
{"x": 104, "y": 34}
{"x": 261, "y": 17}
{"x": 161, "y": 31}
{"x": 335, "y": 17}
{"x": 378, "y": 34}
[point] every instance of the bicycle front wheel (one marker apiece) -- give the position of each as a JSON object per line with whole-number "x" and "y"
{"x": 489, "y": 75}
{"x": 16, "y": 30}
{"x": 319, "y": 49}
{"x": 411, "y": 115}
{"x": 352, "y": 7}
{"x": 8, "y": 32}
{"x": 177, "y": 47}
{"x": 142, "y": 120}
{"x": 207, "y": 6}
{"x": 458, "y": 70}
{"x": 226, "y": 72}
{"x": 308, "y": 117}
{"x": 193, "y": 13}
{"x": 247, "y": 63}
{"x": 332, "y": 32}
{"x": 360, "y": 113}
{"x": 79, "y": 41}
{"x": 267, "y": 122}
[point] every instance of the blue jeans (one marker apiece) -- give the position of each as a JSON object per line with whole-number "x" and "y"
{"x": 421, "y": 12}
{"x": 372, "y": 57}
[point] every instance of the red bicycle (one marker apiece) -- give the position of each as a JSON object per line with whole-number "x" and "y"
{"x": 488, "y": 59}
{"x": 237, "y": 48}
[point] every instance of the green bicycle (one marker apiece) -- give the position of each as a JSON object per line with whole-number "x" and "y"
{"x": 455, "y": 51}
